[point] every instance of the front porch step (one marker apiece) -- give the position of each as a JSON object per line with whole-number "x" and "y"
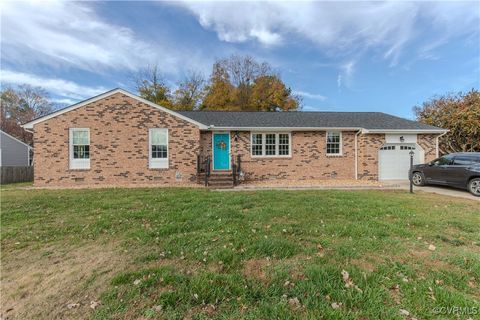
{"x": 218, "y": 179}
{"x": 217, "y": 185}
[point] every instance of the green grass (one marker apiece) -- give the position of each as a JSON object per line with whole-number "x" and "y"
{"x": 191, "y": 248}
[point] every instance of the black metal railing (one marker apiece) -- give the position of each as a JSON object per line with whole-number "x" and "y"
{"x": 204, "y": 166}
{"x": 236, "y": 169}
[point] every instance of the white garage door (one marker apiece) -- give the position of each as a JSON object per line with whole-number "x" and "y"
{"x": 394, "y": 160}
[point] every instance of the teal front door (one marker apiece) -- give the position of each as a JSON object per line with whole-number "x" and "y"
{"x": 221, "y": 151}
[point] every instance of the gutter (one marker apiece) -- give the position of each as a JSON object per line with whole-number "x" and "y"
{"x": 260, "y": 129}
{"x": 413, "y": 131}
{"x": 363, "y": 130}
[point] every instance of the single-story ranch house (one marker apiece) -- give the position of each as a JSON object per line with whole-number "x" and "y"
{"x": 118, "y": 138}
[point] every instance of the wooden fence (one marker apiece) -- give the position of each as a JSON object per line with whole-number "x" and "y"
{"x": 16, "y": 174}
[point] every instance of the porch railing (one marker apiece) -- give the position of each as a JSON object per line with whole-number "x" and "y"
{"x": 236, "y": 169}
{"x": 204, "y": 166}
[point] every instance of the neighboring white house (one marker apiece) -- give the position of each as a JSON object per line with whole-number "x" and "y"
{"x": 13, "y": 152}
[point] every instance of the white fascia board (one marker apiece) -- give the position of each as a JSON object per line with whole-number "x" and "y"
{"x": 406, "y": 131}
{"x": 263, "y": 129}
{"x": 29, "y": 125}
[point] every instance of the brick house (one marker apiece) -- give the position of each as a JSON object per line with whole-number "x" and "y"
{"x": 118, "y": 138}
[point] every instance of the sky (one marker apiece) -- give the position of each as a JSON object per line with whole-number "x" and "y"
{"x": 337, "y": 55}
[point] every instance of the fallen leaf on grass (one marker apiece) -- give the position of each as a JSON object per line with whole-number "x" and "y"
{"x": 210, "y": 309}
{"x": 137, "y": 282}
{"x": 404, "y": 313}
{"x": 348, "y": 282}
{"x": 73, "y": 305}
{"x": 294, "y": 302}
{"x": 94, "y": 304}
{"x": 346, "y": 279}
{"x": 336, "y": 305}
{"x": 395, "y": 293}
{"x": 471, "y": 283}
{"x": 431, "y": 247}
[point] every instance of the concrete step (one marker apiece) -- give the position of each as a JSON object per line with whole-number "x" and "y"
{"x": 220, "y": 187}
{"x": 220, "y": 182}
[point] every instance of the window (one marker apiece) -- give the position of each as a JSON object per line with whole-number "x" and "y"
{"x": 463, "y": 160}
{"x": 257, "y": 144}
{"x": 158, "y": 148}
{"x": 270, "y": 144}
{"x": 443, "y": 161}
{"x": 79, "y": 148}
{"x": 283, "y": 144}
{"x": 387, "y": 148}
{"x": 334, "y": 140}
{"x": 407, "y": 148}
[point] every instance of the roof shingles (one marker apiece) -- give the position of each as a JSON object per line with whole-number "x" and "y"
{"x": 301, "y": 119}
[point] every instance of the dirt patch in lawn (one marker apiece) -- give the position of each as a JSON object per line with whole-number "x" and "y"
{"x": 57, "y": 283}
{"x": 255, "y": 268}
{"x": 368, "y": 263}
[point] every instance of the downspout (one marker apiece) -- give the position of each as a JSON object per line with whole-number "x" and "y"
{"x": 356, "y": 153}
{"x": 436, "y": 142}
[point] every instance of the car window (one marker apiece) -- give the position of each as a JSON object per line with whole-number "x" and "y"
{"x": 463, "y": 160}
{"x": 445, "y": 160}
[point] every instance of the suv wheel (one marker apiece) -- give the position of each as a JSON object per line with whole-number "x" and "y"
{"x": 474, "y": 187}
{"x": 417, "y": 179}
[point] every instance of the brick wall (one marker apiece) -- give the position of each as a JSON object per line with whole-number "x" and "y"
{"x": 119, "y": 149}
{"x": 368, "y": 146}
{"x": 118, "y": 145}
{"x": 308, "y": 158}
{"x": 428, "y": 142}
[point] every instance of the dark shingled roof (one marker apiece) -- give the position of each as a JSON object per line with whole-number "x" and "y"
{"x": 298, "y": 119}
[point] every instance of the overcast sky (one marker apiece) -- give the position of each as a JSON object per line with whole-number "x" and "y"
{"x": 340, "y": 56}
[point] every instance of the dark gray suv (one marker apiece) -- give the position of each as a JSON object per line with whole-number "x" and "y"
{"x": 460, "y": 170}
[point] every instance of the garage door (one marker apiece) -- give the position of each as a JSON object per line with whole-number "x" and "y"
{"x": 394, "y": 160}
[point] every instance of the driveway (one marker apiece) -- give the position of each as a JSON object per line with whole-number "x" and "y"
{"x": 448, "y": 191}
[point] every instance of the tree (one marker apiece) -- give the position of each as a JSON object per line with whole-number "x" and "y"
{"x": 459, "y": 113}
{"x": 220, "y": 91}
{"x": 237, "y": 83}
{"x": 21, "y": 105}
{"x": 269, "y": 93}
{"x": 190, "y": 92}
{"x": 151, "y": 86}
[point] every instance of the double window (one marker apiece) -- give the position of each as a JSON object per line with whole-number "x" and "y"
{"x": 334, "y": 143}
{"x": 270, "y": 144}
{"x": 79, "y": 148}
{"x": 158, "y": 148}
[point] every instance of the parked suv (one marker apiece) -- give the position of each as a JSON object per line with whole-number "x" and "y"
{"x": 460, "y": 170}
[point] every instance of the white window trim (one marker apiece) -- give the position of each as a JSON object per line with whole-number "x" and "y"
{"x": 340, "y": 142}
{"x": 78, "y": 164}
{"x": 277, "y": 140}
{"x": 157, "y": 163}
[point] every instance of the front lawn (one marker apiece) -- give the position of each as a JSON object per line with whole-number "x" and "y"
{"x": 195, "y": 254}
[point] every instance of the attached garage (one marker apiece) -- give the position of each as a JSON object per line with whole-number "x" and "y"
{"x": 394, "y": 160}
